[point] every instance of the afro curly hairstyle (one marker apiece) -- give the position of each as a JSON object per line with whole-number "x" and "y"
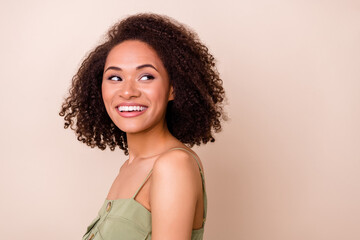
{"x": 194, "y": 114}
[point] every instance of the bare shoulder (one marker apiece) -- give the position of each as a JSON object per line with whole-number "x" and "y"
{"x": 176, "y": 172}
{"x": 174, "y": 192}
{"x": 176, "y": 160}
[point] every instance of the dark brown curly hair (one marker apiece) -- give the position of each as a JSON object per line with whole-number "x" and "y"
{"x": 194, "y": 114}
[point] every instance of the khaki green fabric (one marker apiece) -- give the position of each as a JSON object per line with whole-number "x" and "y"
{"x": 127, "y": 219}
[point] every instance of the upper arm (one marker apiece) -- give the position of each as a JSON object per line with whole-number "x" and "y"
{"x": 173, "y": 196}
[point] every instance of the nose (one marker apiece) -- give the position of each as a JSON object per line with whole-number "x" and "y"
{"x": 129, "y": 89}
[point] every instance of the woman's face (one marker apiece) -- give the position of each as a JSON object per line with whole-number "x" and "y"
{"x": 135, "y": 87}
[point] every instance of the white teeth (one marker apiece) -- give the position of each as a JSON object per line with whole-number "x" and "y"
{"x": 131, "y": 108}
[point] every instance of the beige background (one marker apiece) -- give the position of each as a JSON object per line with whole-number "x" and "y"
{"x": 287, "y": 165}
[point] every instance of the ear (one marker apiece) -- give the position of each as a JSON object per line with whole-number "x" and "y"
{"x": 171, "y": 94}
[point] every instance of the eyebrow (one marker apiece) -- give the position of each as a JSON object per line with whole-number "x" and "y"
{"x": 137, "y": 68}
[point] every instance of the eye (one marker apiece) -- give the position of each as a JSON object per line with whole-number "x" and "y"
{"x": 114, "y": 78}
{"x": 147, "y": 77}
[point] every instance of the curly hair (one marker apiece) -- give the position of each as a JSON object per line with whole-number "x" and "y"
{"x": 194, "y": 114}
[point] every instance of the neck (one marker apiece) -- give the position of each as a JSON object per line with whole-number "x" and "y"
{"x": 149, "y": 143}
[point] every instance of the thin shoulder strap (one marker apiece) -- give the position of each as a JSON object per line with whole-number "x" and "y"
{"x": 152, "y": 169}
{"x": 202, "y": 178}
{"x": 203, "y": 181}
{"x": 142, "y": 184}
{"x": 193, "y": 155}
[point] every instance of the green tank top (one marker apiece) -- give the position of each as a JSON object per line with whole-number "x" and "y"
{"x": 127, "y": 219}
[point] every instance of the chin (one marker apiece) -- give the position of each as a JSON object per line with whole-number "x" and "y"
{"x": 133, "y": 126}
{"x": 130, "y": 128}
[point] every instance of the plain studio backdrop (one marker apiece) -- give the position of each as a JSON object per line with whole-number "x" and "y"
{"x": 286, "y": 165}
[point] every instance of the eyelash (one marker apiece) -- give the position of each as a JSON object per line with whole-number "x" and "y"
{"x": 150, "y": 77}
{"x": 114, "y": 76}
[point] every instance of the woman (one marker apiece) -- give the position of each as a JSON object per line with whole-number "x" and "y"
{"x": 153, "y": 90}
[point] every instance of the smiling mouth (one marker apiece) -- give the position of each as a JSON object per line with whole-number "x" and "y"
{"x": 131, "y": 108}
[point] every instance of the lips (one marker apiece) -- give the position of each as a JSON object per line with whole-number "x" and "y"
{"x": 131, "y": 109}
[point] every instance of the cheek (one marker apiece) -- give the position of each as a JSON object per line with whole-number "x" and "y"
{"x": 158, "y": 92}
{"x": 157, "y": 98}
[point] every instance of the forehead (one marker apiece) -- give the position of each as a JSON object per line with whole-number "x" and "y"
{"x": 133, "y": 53}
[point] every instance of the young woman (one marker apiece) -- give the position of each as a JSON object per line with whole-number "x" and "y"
{"x": 151, "y": 89}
